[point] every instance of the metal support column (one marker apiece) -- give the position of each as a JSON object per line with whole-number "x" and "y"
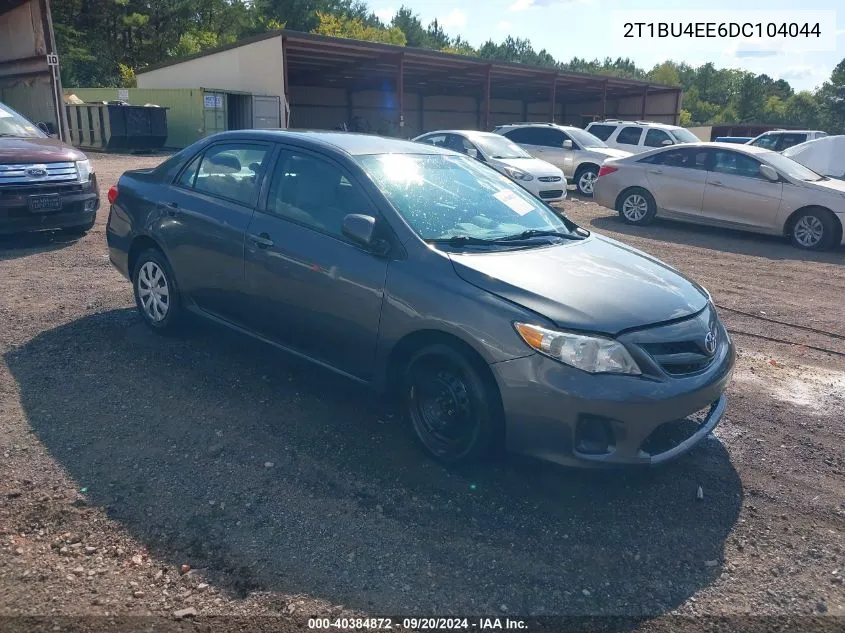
{"x": 285, "y": 72}
{"x": 400, "y": 94}
{"x": 552, "y": 97}
{"x": 604, "y": 100}
{"x": 677, "y": 119}
{"x": 645, "y": 99}
{"x": 487, "y": 85}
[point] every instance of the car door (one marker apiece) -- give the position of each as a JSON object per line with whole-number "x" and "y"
{"x": 545, "y": 143}
{"x": 308, "y": 287}
{"x": 677, "y": 179}
{"x": 205, "y": 213}
{"x": 737, "y": 193}
{"x": 629, "y": 138}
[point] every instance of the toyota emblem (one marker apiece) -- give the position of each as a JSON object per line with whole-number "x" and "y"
{"x": 36, "y": 172}
{"x": 710, "y": 342}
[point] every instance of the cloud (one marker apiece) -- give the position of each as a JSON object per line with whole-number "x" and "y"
{"x": 746, "y": 54}
{"x": 522, "y": 5}
{"x": 385, "y": 14}
{"x": 456, "y": 18}
{"x": 504, "y": 25}
{"x": 799, "y": 72}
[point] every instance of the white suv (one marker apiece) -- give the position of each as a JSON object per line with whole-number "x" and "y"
{"x": 779, "y": 140}
{"x": 640, "y": 136}
{"x": 576, "y": 152}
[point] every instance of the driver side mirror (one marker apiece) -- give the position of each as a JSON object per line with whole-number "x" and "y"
{"x": 567, "y": 144}
{"x": 667, "y": 142}
{"x": 361, "y": 229}
{"x": 769, "y": 173}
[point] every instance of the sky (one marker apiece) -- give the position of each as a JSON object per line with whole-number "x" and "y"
{"x": 582, "y": 28}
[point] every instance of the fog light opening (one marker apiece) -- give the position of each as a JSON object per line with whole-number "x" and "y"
{"x": 594, "y": 436}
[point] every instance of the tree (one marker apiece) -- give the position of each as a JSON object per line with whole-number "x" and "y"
{"x": 436, "y": 37}
{"x": 831, "y": 99}
{"x": 355, "y": 29}
{"x": 409, "y": 23}
{"x": 802, "y": 110}
{"x": 666, "y": 73}
{"x": 750, "y": 99}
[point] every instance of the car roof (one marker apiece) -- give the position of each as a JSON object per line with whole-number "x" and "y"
{"x": 475, "y": 133}
{"x": 538, "y": 124}
{"x": 637, "y": 123}
{"x": 348, "y": 142}
{"x": 791, "y": 132}
{"x": 740, "y": 147}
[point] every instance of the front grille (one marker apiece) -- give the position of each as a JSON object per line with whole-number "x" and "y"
{"x": 679, "y": 358}
{"x": 553, "y": 193}
{"x": 549, "y": 178}
{"x": 36, "y": 173}
{"x": 20, "y": 191}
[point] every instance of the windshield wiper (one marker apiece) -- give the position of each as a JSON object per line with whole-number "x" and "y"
{"x": 525, "y": 235}
{"x": 461, "y": 240}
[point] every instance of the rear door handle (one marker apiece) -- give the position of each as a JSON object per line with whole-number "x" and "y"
{"x": 262, "y": 241}
{"x": 172, "y": 209}
{"x": 716, "y": 183}
{"x": 655, "y": 171}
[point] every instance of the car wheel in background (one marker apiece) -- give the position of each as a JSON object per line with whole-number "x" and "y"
{"x": 451, "y": 409}
{"x": 585, "y": 179}
{"x": 78, "y": 230}
{"x": 636, "y": 206}
{"x": 814, "y": 229}
{"x": 156, "y": 294}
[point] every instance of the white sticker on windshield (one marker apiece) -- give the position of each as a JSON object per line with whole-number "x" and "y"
{"x": 4, "y": 114}
{"x": 517, "y": 204}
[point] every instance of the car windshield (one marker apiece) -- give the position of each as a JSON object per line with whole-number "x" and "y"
{"x": 683, "y": 136}
{"x": 584, "y": 138}
{"x": 791, "y": 168}
{"x": 496, "y": 146}
{"x": 13, "y": 124}
{"x": 446, "y": 197}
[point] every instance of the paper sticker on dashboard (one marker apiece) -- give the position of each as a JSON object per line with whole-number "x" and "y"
{"x": 516, "y": 204}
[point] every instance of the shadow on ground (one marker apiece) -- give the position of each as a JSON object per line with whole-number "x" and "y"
{"x": 25, "y": 244}
{"x": 710, "y": 237}
{"x": 174, "y": 437}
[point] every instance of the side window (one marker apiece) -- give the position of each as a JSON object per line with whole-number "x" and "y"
{"x": 231, "y": 171}
{"x": 686, "y": 158}
{"x": 629, "y": 135}
{"x": 314, "y": 192}
{"x": 655, "y": 138}
{"x": 788, "y": 140}
{"x": 736, "y": 164}
{"x": 767, "y": 141}
{"x": 435, "y": 139}
{"x": 550, "y": 137}
{"x": 522, "y": 135}
{"x": 186, "y": 178}
{"x": 467, "y": 145}
{"x": 602, "y": 131}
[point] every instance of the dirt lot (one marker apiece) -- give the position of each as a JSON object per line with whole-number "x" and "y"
{"x": 288, "y": 491}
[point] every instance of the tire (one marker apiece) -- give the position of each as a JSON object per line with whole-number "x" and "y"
{"x": 585, "y": 180}
{"x": 636, "y": 206}
{"x": 453, "y": 413}
{"x": 814, "y": 229}
{"x": 156, "y": 295}
{"x": 78, "y": 230}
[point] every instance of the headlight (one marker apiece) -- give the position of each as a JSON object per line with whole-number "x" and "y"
{"x": 83, "y": 168}
{"x": 588, "y": 353}
{"x": 518, "y": 174}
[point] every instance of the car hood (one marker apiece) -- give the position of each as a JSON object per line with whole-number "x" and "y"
{"x": 37, "y": 150}
{"x": 608, "y": 152}
{"x": 594, "y": 285}
{"x": 534, "y": 166}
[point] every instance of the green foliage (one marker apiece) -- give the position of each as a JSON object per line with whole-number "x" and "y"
{"x": 354, "y": 28}
{"x": 127, "y": 76}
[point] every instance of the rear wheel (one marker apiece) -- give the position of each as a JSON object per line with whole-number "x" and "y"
{"x": 585, "y": 179}
{"x": 814, "y": 229}
{"x": 156, "y": 295}
{"x": 636, "y": 206}
{"x": 452, "y": 411}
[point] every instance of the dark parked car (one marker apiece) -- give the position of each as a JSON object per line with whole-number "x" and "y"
{"x": 44, "y": 184}
{"x": 420, "y": 272}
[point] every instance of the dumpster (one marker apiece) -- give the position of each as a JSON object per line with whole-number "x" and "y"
{"x": 117, "y": 127}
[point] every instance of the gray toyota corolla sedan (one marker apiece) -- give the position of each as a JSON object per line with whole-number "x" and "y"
{"x": 427, "y": 275}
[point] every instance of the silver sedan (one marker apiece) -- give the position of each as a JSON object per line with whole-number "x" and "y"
{"x": 722, "y": 184}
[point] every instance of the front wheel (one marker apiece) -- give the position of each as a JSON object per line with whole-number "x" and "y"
{"x": 156, "y": 294}
{"x": 452, "y": 411}
{"x": 814, "y": 229}
{"x": 636, "y": 206}
{"x": 585, "y": 180}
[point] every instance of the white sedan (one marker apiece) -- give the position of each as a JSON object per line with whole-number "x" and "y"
{"x": 542, "y": 179}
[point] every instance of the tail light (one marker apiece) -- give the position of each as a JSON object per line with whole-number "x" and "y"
{"x": 112, "y": 194}
{"x": 604, "y": 170}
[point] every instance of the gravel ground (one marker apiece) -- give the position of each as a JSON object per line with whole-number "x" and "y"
{"x": 149, "y": 476}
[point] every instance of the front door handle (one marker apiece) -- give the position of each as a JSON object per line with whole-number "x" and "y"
{"x": 262, "y": 241}
{"x": 716, "y": 183}
{"x": 172, "y": 209}
{"x": 655, "y": 171}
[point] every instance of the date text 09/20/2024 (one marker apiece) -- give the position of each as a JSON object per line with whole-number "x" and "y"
{"x": 418, "y": 624}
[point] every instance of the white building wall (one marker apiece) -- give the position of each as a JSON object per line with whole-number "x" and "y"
{"x": 256, "y": 68}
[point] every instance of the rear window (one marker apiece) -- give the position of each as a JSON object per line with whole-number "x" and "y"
{"x": 629, "y": 135}
{"x": 602, "y": 131}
